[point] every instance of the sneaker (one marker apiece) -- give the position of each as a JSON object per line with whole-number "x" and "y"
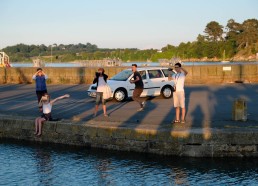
{"x": 140, "y": 109}
{"x": 176, "y": 121}
{"x": 106, "y": 115}
{"x": 143, "y": 104}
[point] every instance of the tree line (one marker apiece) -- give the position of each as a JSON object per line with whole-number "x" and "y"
{"x": 217, "y": 42}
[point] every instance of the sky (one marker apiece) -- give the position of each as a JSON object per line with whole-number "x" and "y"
{"x": 139, "y": 24}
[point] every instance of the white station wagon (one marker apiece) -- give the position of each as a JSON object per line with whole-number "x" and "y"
{"x": 155, "y": 80}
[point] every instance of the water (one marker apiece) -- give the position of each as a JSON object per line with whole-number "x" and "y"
{"x": 152, "y": 64}
{"x": 38, "y": 164}
{"x": 65, "y": 64}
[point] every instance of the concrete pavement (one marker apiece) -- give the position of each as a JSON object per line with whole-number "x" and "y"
{"x": 208, "y": 106}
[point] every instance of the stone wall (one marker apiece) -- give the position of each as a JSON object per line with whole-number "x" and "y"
{"x": 198, "y": 74}
{"x": 221, "y": 143}
{"x": 209, "y": 74}
{"x": 56, "y": 75}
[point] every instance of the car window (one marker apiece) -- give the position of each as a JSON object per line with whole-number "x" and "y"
{"x": 122, "y": 76}
{"x": 165, "y": 71}
{"x": 155, "y": 74}
{"x": 143, "y": 74}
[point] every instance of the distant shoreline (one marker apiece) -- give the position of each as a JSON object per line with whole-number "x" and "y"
{"x": 138, "y": 61}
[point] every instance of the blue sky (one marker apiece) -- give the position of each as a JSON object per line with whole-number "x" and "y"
{"x": 115, "y": 23}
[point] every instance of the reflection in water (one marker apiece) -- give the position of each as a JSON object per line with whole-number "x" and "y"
{"x": 103, "y": 167}
{"x": 44, "y": 166}
{"x": 27, "y": 164}
{"x": 180, "y": 177}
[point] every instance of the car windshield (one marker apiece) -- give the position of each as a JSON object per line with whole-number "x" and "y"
{"x": 122, "y": 76}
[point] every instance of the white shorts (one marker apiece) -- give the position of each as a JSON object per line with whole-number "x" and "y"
{"x": 179, "y": 99}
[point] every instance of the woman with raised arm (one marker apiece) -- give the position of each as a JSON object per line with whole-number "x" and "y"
{"x": 46, "y": 104}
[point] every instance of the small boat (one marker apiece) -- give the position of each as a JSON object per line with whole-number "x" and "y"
{"x": 38, "y": 63}
{"x": 145, "y": 65}
{"x": 4, "y": 60}
{"x": 169, "y": 62}
{"x": 106, "y": 62}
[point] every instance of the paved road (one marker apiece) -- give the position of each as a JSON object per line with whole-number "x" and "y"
{"x": 208, "y": 106}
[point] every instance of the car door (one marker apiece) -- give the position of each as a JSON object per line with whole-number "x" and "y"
{"x": 145, "y": 84}
{"x": 156, "y": 81}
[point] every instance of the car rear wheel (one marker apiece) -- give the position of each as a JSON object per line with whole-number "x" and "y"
{"x": 167, "y": 92}
{"x": 120, "y": 95}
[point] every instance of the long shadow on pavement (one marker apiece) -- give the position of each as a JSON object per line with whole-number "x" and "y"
{"x": 137, "y": 118}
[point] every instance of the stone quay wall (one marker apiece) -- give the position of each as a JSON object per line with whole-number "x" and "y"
{"x": 194, "y": 143}
{"x": 198, "y": 74}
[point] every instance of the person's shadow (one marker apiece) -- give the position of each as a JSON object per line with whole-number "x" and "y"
{"x": 139, "y": 117}
{"x": 197, "y": 116}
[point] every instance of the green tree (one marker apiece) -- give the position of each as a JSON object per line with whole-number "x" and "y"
{"x": 233, "y": 30}
{"x": 214, "y": 31}
{"x": 249, "y": 33}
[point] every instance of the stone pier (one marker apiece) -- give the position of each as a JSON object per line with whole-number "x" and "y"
{"x": 145, "y": 139}
{"x": 209, "y": 130}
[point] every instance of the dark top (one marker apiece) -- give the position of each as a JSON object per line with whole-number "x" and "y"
{"x": 41, "y": 83}
{"x": 96, "y": 79}
{"x": 138, "y": 84}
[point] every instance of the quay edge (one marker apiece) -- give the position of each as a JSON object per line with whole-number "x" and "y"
{"x": 191, "y": 143}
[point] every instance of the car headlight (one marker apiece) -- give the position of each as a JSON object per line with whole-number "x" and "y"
{"x": 92, "y": 94}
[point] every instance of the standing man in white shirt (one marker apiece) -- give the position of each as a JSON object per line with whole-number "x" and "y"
{"x": 179, "y": 93}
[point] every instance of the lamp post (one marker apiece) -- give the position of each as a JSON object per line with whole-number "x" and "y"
{"x": 54, "y": 45}
{"x": 51, "y": 53}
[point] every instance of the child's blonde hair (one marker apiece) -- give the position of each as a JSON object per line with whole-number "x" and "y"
{"x": 41, "y": 100}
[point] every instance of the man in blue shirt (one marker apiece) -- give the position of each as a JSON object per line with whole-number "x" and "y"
{"x": 41, "y": 87}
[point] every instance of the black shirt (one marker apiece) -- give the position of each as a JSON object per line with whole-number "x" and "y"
{"x": 138, "y": 84}
{"x": 96, "y": 79}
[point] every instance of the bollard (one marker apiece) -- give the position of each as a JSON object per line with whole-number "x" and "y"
{"x": 239, "y": 112}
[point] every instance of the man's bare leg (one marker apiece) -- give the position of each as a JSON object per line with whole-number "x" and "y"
{"x": 183, "y": 114}
{"x": 177, "y": 113}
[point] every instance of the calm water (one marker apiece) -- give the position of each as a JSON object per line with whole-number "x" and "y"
{"x": 68, "y": 64}
{"x": 37, "y": 164}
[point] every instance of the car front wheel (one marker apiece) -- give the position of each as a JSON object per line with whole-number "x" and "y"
{"x": 167, "y": 92}
{"x": 120, "y": 95}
